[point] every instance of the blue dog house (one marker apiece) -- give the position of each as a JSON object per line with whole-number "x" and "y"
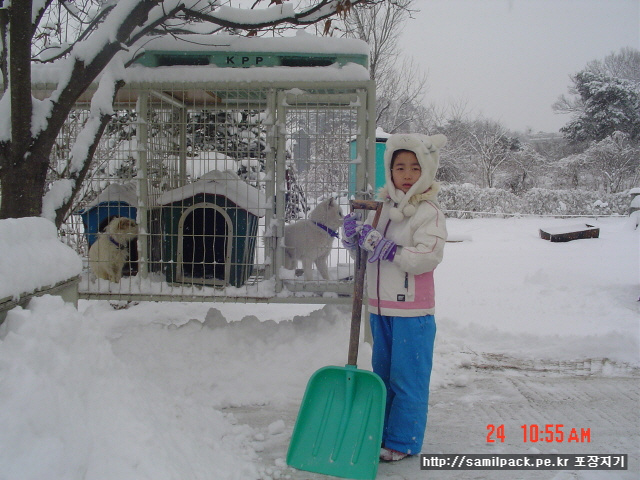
{"x": 115, "y": 201}
{"x": 210, "y": 229}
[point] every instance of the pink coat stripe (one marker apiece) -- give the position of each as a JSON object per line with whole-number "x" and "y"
{"x": 400, "y": 305}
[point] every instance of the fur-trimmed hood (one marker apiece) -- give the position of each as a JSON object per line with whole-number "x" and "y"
{"x": 427, "y": 151}
{"x": 430, "y": 195}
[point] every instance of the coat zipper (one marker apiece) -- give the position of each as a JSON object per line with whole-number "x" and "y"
{"x": 378, "y": 268}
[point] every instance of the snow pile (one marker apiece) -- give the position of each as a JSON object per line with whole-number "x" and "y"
{"x": 84, "y": 414}
{"x": 33, "y": 257}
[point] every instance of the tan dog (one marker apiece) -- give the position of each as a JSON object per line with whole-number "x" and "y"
{"x": 109, "y": 252}
{"x": 310, "y": 241}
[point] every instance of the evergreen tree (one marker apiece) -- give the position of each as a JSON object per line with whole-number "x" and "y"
{"x": 609, "y": 104}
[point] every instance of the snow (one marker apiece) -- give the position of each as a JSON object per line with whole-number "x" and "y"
{"x": 221, "y": 183}
{"x": 87, "y": 49}
{"x": 210, "y": 160}
{"x": 255, "y": 16}
{"x": 211, "y": 390}
{"x": 302, "y": 42}
{"x": 381, "y": 134}
{"x": 175, "y": 75}
{"x": 33, "y": 257}
{"x": 116, "y": 192}
{"x": 58, "y": 193}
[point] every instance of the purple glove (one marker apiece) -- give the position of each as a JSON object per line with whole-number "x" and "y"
{"x": 349, "y": 226}
{"x": 373, "y": 241}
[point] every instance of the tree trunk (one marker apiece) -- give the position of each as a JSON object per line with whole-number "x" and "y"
{"x": 24, "y": 159}
{"x": 20, "y": 78}
{"x": 22, "y": 186}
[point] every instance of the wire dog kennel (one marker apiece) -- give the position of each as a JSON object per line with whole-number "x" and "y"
{"x": 224, "y": 158}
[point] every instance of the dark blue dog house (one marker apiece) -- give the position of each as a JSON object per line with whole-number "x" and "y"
{"x": 210, "y": 230}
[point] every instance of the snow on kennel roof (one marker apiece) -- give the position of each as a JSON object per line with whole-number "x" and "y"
{"x": 302, "y": 42}
{"x": 175, "y": 75}
{"x": 227, "y": 184}
{"x": 302, "y": 58}
{"x": 116, "y": 192}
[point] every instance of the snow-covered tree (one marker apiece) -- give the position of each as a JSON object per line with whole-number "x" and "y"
{"x": 100, "y": 39}
{"x": 454, "y": 158}
{"x": 523, "y": 169}
{"x": 610, "y": 105}
{"x": 606, "y": 99}
{"x": 492, "y": 148}
{"x": 614, "y": 162}
{"x": 624, "y": 64}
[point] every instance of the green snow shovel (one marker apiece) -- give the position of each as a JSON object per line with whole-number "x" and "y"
{"x": 339, "y": 427}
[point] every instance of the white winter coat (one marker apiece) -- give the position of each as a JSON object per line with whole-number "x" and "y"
{"x": 405, "y": 286}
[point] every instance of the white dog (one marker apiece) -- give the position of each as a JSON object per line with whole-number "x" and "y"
{"x": 310, "y": 240}
{"x": 109, "y": 252}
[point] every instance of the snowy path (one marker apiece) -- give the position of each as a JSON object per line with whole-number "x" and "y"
{"x": 506, "y": 392}
{"x": 459, "y": 420}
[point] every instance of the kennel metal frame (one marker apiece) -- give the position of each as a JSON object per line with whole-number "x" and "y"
{"x": 279, "y": 98}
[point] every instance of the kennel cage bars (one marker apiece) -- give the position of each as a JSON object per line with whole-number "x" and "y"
{"x": 166, "y": 145}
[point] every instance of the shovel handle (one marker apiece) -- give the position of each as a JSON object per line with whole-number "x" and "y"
{"x": 358, "y": 283}
{"x": 364, "y": 205}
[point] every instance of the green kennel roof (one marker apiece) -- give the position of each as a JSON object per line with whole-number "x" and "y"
{"x": 229, "y": 51}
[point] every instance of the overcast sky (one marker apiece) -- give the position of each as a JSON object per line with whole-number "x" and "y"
{"x": 511, "y": 59}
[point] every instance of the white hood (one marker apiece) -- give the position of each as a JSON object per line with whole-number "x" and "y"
{"x": 427, "y": 150}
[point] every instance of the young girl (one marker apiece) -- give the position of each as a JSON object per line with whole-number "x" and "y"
{"x": 404, "y": 250}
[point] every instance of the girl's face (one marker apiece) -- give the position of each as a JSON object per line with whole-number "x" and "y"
{"x": 405, "y": 170}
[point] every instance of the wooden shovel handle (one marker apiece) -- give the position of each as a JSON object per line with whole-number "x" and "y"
{"x": 364, "y": 205}
{"x": 358, "y": 283}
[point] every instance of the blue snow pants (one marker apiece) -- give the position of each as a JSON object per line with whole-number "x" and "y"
{"x": 402, "y": 357}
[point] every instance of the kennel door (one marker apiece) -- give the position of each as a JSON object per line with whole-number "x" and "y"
{"x": 205, "y": 234}
{"x": 322, "y": 124}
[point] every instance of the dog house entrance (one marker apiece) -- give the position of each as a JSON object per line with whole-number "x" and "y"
{"x": 204, "y": 245}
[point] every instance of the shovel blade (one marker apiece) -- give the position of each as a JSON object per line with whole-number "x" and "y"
{"x": 339, "y": 426}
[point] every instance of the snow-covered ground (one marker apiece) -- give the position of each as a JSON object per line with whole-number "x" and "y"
{"x": 528, "y": 332}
